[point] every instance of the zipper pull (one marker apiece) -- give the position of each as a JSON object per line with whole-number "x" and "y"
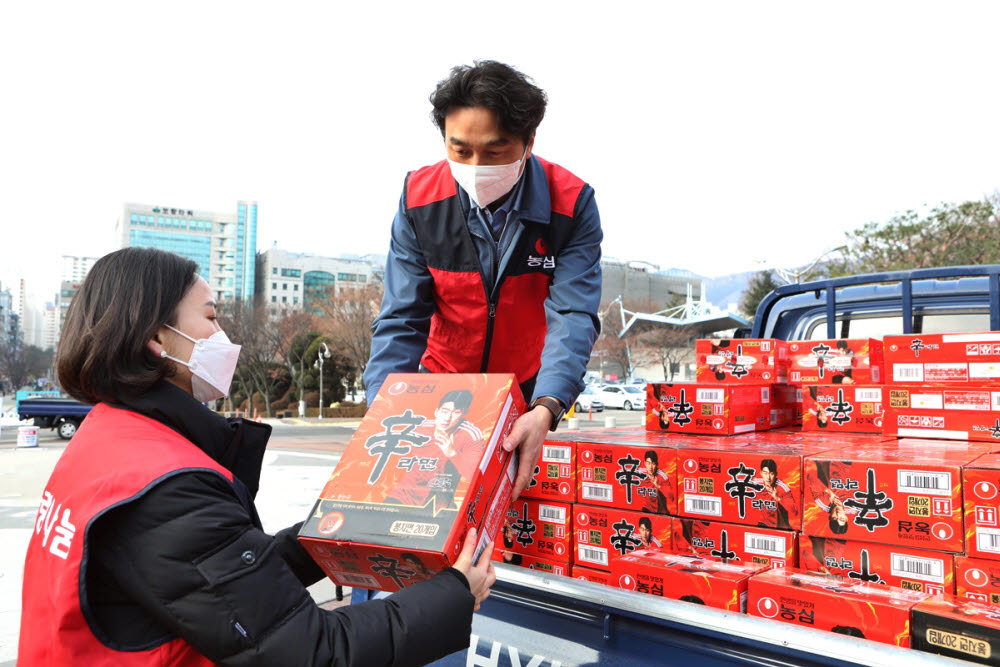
{"x": 493, "y": 310}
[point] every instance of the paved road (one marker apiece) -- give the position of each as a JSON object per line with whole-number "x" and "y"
{"x": 300, "y": 456}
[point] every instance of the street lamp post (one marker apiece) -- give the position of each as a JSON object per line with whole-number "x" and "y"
{"x": 319, "y": 364}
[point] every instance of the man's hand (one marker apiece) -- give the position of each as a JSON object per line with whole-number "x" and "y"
{"x": 528, "y": 433}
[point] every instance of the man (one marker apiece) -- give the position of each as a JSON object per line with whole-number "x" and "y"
{"x": 782, "y": 510}
{"x": 657, "y": 488}
{"x": 451, "y": 453}
{"x": 494, "y": 260}
{"x": 648, "y": 540}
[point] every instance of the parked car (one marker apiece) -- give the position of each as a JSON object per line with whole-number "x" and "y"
{"x": 588, "y": 401}
{"x": 624, "y": 396}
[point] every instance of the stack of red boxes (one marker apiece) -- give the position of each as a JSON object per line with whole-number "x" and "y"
{"x": 905, "y": 496}
{"x": 944, "y": 386}
{"x": 841, "y": 384}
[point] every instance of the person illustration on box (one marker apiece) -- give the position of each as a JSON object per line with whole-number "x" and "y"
{"x": 844, "y": 375}
{"x": 815, "y": 408}
{"x": 658, "y": 487}
{"x": 494, "y": 257}
{"x": 414, "y": 564}
{"x": 154, "y": 553}
{"x": 508, "y": 542}
{"x": 451, "y": 453}
{"x": 781, "y": 508}
{"x": 827, "y": 499}
{"x": 646, "y": 537}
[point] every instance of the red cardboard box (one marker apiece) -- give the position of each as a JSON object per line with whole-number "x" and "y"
{"x": 890, "y": 494}
{"x": 786, "y": 405}
{"x": 424, "y": 466}
{"x": 730, "y": 542}
{"x": 943, "y": 358}
{"x": 741, "y": 360}
{"x": 931, "y": 572}
{"x": 604, "y": 534}
{"x": 627, "y": 476}
{"x": 977, "y": 579}
{"x": 540, "y": 528}
{"x": 836, "y": 361}
{"x": 957, "y": 628}
{"x": 596, "y": 576}
{"x": 845, "y": 606}
{"x": 981, "y": 489}
{"x": 852, "y": 408}
{"x": 956, "y": 412}
{"x": 687, "y": 578}
{"x": 738, "y": 485}
{"x": 709, "y": 409}
{"x": 531, "y": 562}
{"x": 555, "y": 474}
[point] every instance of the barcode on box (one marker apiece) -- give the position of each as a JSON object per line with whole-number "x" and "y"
{"x": 702, "y": 505}
{"x": 710, "y": 395}
{"x": 764, "y": 545}
{"x": 552, "y": 513}
{"x": 597, "y": 555}
{"x": 552, "y": 454}
{"x": 923, "y": 481}
{"x": 908, "y": 372}
{"x": 915, "y": 567}
{"x": 868, "y": 395}
{"x": 988, "y": 539}
{"x": 593, "y": 491}
{"x": 765, "y": 395}
{"x": 356, "y": 580}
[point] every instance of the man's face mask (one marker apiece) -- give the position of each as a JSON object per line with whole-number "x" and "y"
{"x": 212, "y": 363}
{"x": 486, "y": 183}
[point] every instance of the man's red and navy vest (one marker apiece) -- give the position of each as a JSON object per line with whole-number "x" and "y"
{"x": 114, "y": 456}
{"x": 472, "y": 330}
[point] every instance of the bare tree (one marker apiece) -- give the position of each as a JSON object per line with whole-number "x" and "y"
{"x": 257, "y": 330}
{"x": 668, "y": 346}
{"x": 347, "y": 315}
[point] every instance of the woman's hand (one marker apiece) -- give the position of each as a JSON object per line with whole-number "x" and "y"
{"x": 480, "y": 576}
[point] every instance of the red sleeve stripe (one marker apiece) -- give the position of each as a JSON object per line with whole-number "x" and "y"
{"x": 564, "y": 188}
{"x": 429, "y": 184}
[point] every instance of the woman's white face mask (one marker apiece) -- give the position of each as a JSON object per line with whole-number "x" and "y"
{"x": 212, "y": 363}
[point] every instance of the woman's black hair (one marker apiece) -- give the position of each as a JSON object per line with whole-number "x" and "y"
{"x": 126, "y": 297}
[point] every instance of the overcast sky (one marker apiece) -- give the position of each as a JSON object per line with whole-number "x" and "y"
{"x": 719, "y": 136}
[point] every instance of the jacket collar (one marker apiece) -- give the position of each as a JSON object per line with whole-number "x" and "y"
{"x": 237, "y": 444}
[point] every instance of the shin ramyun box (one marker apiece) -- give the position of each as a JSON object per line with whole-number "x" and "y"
{"x": 424, "y": 467}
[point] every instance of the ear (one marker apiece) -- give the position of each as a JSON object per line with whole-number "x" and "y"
{"x": 155, "y": 344}
{"x": 530, "y": 147}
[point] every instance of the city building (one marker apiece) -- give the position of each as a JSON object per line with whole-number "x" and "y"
{"x": 7, "y": 316}
{"x": 75, "y": 269}
{"x": 67, "y": 290}
{"x": 642, "y": 283}
{"x": 224, "y": 245}
{"x": 50, "y": 327}
{"x": 298, "y": 280}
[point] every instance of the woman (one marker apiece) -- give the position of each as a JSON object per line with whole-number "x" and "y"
{"x": 148, "y": 549}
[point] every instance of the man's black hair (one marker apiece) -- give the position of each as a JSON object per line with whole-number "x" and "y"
{"x": 842, "y": 344}
{"x": 647, "y": 522}
{"x": 835, "y": 526}
{"x": 849, "y": 630}
{"x": 651, "y": 455}
{"x": 462, "y": 398}
{"x": 770, "y": 465}
{"x": 518, "y": 103}
{"x": 691, "y": 598}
